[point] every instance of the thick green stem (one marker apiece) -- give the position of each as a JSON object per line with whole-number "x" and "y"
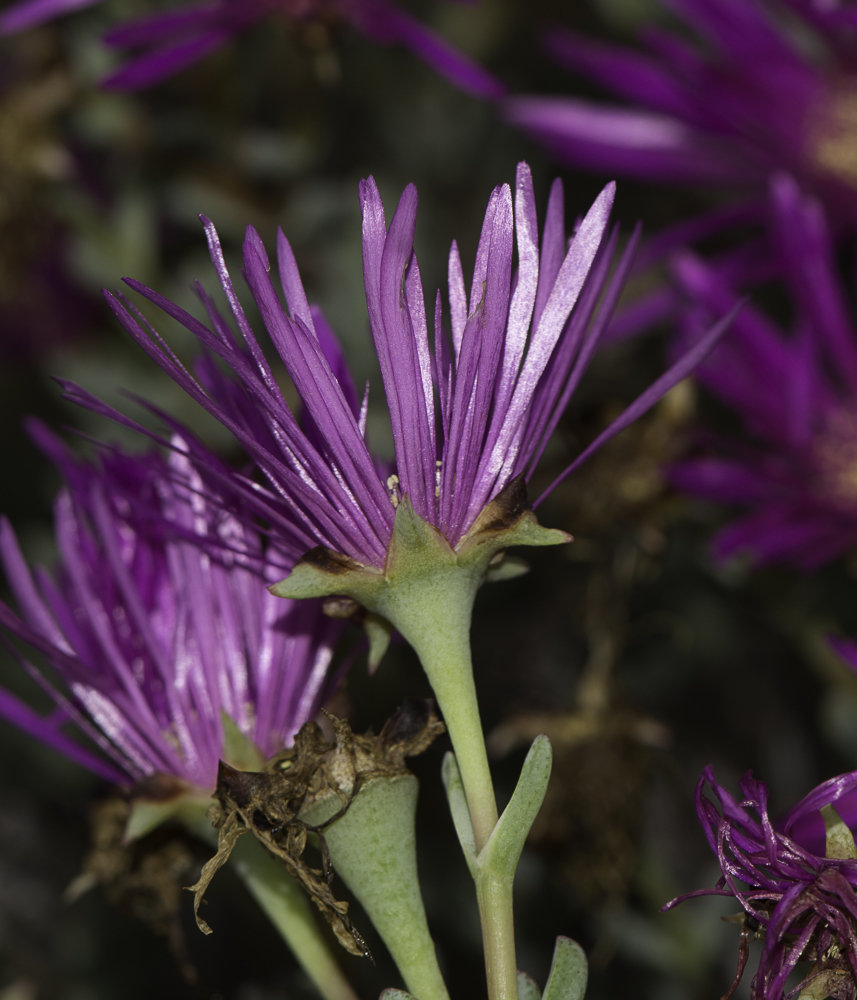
{"x": 438, "y": 627}
{"x": 426, "y": 590}
{"x": 288, "y": 910}
{"x": 498, "y": 937}
{"x": 444, "y": 651}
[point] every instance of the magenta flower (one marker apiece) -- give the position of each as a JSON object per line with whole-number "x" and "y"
{"x": 469, "y": 413}
{"x": 158, "y": 623}
{"x": 170, "y": 41}
{"x": 796, "y": 474}
{"x": 742, "y": 100}
{"x": 801, "y": 902}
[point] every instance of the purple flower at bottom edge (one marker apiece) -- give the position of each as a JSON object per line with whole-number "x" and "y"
{"x": 802, "y": 903}
{"x": 469, "y": 413}
{"x": 743, "y": 99}
{"x": 794, "y": 472}
{"x": 157, "y": 622}
{"x": 169, "y": 42}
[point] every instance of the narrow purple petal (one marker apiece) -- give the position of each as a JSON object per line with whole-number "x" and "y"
{"x": 680, "y": 370}
{"x": 30, "y": 13}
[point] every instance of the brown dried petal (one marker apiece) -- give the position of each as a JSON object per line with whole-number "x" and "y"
{"x": 269, "y": 802}
{"x": 230, "y": 831}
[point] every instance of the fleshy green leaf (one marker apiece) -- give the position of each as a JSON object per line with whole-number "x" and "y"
{"x": 569, "y": 972}
{"x": 459, "y": 809}
{"x": 527, "y": 988}
{"x": 503, "y": 850}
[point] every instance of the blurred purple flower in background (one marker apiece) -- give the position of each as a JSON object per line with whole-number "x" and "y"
{"x": 171, "y": 40}
{"x": 796, "y": 470}
{"x": 744, "y": 100}
{"x": 800, "y": 901}
{"x": 158, "y": 623}
{"x": 518, "y": 350}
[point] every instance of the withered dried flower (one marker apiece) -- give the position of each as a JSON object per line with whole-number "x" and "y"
{"x": 270, "y": 802}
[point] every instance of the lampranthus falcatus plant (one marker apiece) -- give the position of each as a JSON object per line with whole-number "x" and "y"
{"x": 472, "y": 407}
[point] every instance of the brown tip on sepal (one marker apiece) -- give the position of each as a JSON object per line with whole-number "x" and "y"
{"x": 505, "y": 510}
{"x": 411, "y": 729}
{"x": 239, "y": 786}
{"x": 321, "y": 572}
{"x": 327, "y": 560}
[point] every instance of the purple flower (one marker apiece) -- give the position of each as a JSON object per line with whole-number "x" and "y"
{"x": 742, "y": 100}
{"x": 469, "y": 413}
{"x": 796, "y": 393}
{"x": 158, "y": 623}
{"x": 168, "y": 42}
{"x": 801, "y": 902}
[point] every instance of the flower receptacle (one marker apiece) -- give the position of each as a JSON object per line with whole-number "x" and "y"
{"x": 372, "y": 848}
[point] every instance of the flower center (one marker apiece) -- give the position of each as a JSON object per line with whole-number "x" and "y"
{"x": 836, "y": 455}
{"x": 835, "y": 142}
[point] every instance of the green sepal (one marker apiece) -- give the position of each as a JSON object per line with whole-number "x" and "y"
{"x": 503, "y": 850}
{"x": 322, "y": 572}
{"x": 568, "y": 973}
{"x": 416, "y": 546}
{"x": 458, "y": 807}
{"x": 527, "y": 988}
{"x": 477, "y": 545}
{"x": 379, "y": 632}
{"x": 507, "y": 568}
{"x": 146, "y": 815}
{"x": 840, "y": 840}
{"x": 499, "y": 858}
{"x": 239, "y": 751}
{"x": 420, "y": 556}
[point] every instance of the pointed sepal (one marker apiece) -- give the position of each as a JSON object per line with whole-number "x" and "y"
{"x": 162, "y": 797}
{"x": 324, "y": 573}
{"x": 379, "y": 632}
{"x": 416, "y": 547}
{"x": 505, "y": 567}
{"x": 507, "y": 520}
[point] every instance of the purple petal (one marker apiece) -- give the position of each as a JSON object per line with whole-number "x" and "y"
{"x": 30, "y": 13}
{"x": 679, "y": 371}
